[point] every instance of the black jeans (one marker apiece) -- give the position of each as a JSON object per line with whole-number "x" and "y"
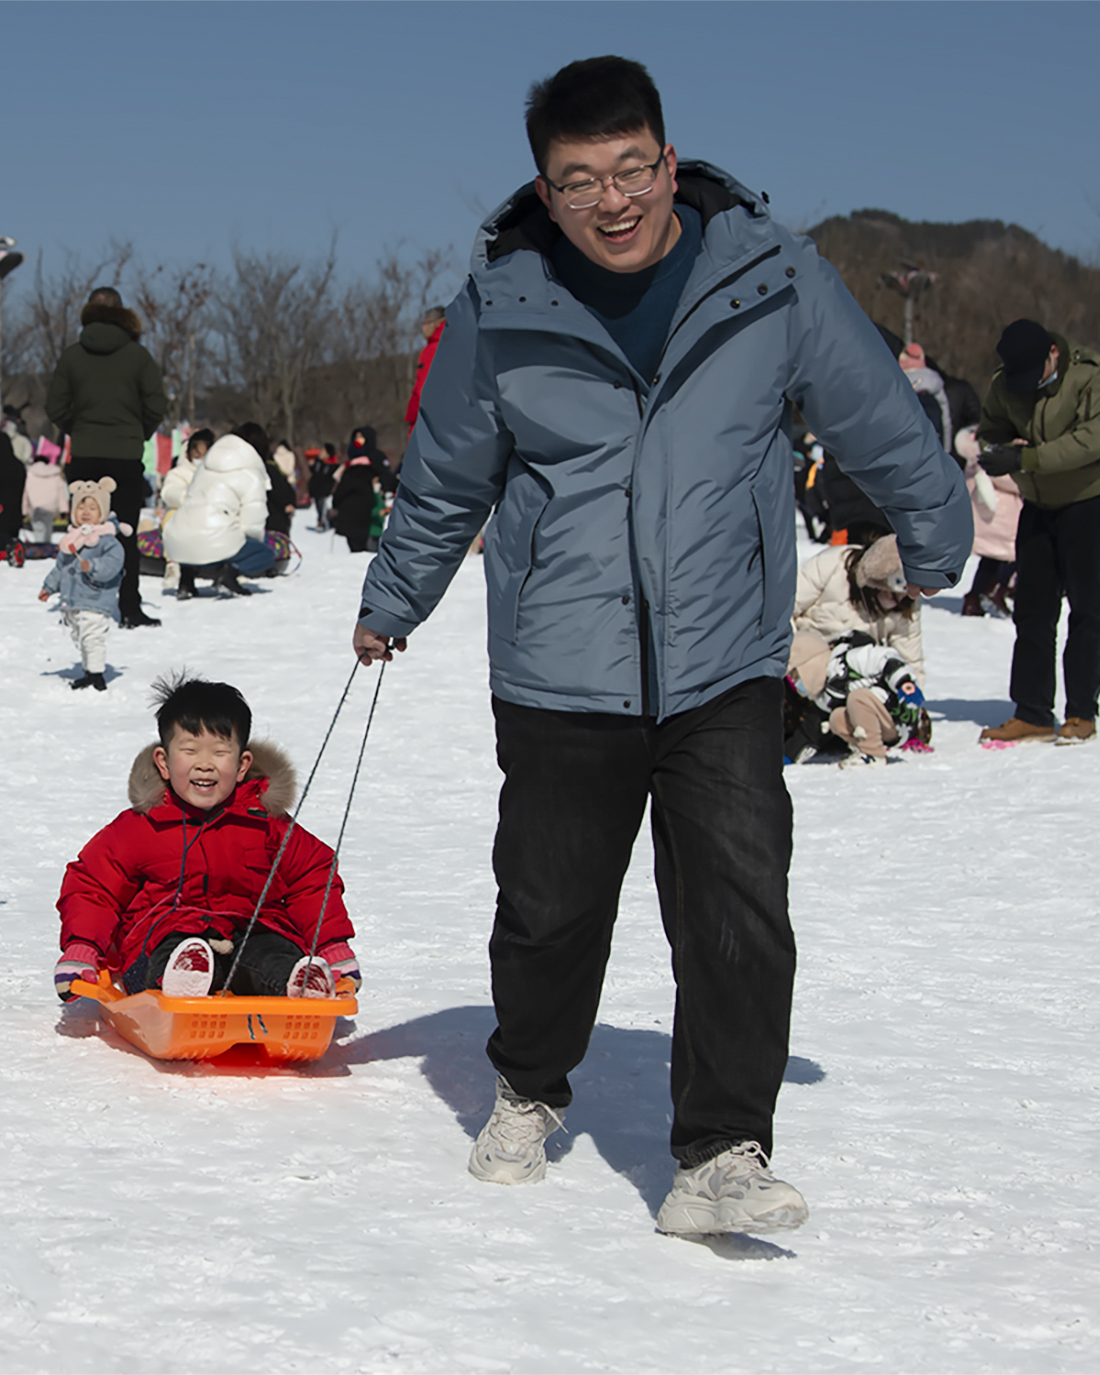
{"x": 263, "y": 971}
{"x": 126, "y": 502}
{"x": 1057, "y": 554}
{"x": 574, "y": 794}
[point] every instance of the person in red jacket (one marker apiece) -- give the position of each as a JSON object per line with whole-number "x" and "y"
{"x": 431, "y": 327}
{"x": 165, "y": 891}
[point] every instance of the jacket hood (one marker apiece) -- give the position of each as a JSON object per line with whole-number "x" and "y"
{"x": 106, "y": 329}
{"x": 146, "y": 788}
{"x": 522, "y": 221}
{"x": 231, "y": 453}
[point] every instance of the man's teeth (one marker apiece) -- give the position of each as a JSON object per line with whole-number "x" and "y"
{"x": 624, "y": 227}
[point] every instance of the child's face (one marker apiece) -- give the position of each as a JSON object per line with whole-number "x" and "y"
{"x": 202, "y": 769}
{"x": 87, "y": 512}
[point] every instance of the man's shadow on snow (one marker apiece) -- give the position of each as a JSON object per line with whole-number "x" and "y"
{"x": 620, "y": 1091}
{"x": 985, "y": 712}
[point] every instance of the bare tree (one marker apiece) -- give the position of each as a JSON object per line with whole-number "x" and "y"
{"x": 171, "y": 303}
{"x": 272, "y": 320}
{"x": 378, "y": 336}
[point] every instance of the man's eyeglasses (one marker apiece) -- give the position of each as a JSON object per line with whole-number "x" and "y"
{"x": 632, "y": 181}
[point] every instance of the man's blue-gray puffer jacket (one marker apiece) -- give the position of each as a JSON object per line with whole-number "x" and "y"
{"x": 641, "y": 552}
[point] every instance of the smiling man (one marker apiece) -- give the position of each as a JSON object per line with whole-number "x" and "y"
{"x": 615, "y": 385}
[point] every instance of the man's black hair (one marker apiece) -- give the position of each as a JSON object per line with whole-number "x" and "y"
{"x": 599, "y": 97}
{"x": 196, "y": 705}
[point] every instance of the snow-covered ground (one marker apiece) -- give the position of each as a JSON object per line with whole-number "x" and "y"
{"x": 940, "y": 1110}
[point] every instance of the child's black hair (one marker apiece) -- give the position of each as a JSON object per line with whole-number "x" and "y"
{"x": 596, "y": 98}
{"x": 206, "y": 437}
{"x": 197, "y": 705}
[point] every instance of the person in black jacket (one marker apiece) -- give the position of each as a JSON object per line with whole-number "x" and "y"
{"x": 107, "y": 393}
{"x": 13, "y": 477}
{"x": 322, "y": 478}
{"x": 357, "y": 501}
{"x": 364, "y": 444}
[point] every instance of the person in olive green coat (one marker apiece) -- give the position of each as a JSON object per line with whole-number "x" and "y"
{"x": 1041, "y": 424}
{"x": 107, "y": 393}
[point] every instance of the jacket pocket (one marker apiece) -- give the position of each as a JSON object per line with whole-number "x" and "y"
{"x": 509, "y": 559}
{"x": 775, "y": 593}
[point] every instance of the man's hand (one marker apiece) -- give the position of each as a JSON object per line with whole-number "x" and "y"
{"x": 43, "y": 596}
{"x": 369, "y": 645}
{"x": 1001, "y": 459}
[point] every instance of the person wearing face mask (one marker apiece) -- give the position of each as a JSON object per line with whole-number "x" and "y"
{"x": 615, "y": 389}
{"x": 1041, "y": 425}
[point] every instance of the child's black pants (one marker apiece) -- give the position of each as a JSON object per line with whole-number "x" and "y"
{"x": 263, "y": 971}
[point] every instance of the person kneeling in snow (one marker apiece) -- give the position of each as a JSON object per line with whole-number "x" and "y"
{"x": 165, "y": 891}
{"x": 869, "y": 692}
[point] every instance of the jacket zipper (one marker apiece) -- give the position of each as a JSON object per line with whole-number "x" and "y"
{"x": 640, "y": 602}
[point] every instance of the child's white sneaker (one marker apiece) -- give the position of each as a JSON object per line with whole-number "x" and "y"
{"x": 189, "y": 971}
{"x": 311, "y": 978}
{"x": 858, "y": 760}
{"x": 510, "y": 1149}
{"x": 734, "y": 1192}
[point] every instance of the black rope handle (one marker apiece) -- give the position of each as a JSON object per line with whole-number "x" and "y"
{"x": 293, "y": 821}
{"x": 343, "y": 824}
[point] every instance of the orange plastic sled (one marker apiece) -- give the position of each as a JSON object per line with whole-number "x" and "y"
{"x": 202, "y": 1028}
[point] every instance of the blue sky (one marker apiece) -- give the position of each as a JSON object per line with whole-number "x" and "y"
{"x": 187, "y": 126}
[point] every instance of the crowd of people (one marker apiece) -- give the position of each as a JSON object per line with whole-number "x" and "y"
{"x": 613, "y": 385}
{"x": 1028, "y": 456}
{"x": 220, "y": 514}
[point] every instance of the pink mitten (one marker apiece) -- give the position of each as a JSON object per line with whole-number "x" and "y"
{"x": 343, "y": 962}
{"x": 78, "y": 961}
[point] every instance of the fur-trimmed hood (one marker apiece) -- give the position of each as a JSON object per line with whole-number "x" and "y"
{"x": 108, "y": 328}
{"x": 269, "y": 764}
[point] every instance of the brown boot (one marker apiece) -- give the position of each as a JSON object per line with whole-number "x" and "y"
{"x": 1076, "y": 731}
{"x": 1015, "y": 732}
{"x": 994, "y": 602}
{"x": 972, "y": 605}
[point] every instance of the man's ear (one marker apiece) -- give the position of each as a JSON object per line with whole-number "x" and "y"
{"x": 671, "y": 162}
{"x": 543, "y": 190}
{"x": 246, "y": 764}
{"x": 160, "y": 759}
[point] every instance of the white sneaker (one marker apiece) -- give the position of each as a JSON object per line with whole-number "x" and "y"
{"x": 189, "y": 971}
{"x": 510, "y": 1147}
{"x": 311, "y": 979}
{"x": 859, "y": 760}
{"x": 734, "y": 1192}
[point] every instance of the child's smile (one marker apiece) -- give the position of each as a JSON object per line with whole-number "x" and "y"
{"x": 202, "y": 769}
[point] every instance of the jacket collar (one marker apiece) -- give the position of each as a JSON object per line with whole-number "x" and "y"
{"x": 513, "y": 276}
{"x": 271, "y": 785}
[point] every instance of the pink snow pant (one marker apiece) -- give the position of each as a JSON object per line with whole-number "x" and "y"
{"x": 864, "y": 723}
{"x": 89, "y": 630}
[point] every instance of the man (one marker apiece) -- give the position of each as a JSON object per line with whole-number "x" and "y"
{"x": 617, "y": 379}
{"x": 107, "y": 393}
{"x": 1041, "y": 424}
{"x": 431, "y": 329}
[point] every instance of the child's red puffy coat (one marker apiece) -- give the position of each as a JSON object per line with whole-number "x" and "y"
{"x": 130, "y": 882}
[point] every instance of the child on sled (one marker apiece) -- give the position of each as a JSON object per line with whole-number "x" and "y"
{"x": 165, "y": 891}
{"x": 868, "y": 692}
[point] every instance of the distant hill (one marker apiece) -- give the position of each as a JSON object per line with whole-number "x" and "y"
{"x": 989, "y": 274}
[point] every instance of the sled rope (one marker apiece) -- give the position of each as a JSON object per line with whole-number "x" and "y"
{"x": 293, "y": 821}
{"x": 344, "y": 822}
